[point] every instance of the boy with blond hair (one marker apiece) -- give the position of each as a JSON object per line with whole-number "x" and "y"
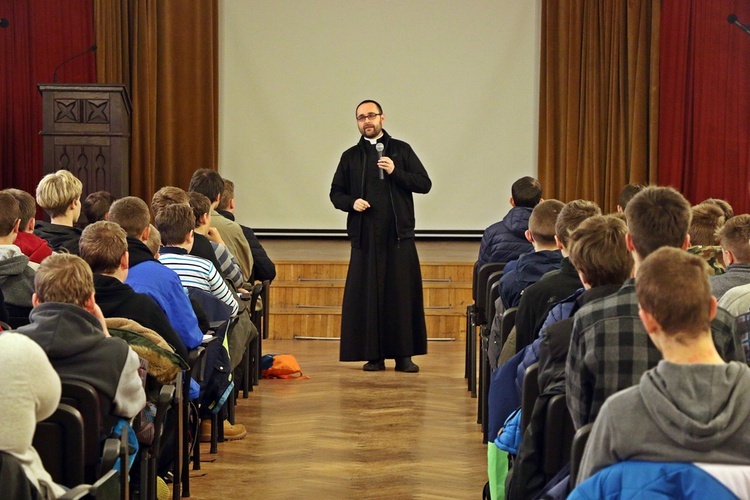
{"x": 59, "y": 194}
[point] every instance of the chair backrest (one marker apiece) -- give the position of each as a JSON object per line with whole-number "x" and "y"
{"x": 84, "y": 398}
{"x": 577, "y": 449}
{"x": 483, "y": 276}
{"x": 509, "y": 321}
{"x": 529, "y": 394}
{"x": 59, "y": 442}
{"x": 13, "y": 479}
{"x": 215, "y": 308}
{"x": 558, "y": 436}
{"x": 265, "y": 297}
{"x": 491, "y": 298}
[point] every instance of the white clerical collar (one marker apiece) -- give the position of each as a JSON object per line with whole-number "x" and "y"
{"x": 374, "y": 141}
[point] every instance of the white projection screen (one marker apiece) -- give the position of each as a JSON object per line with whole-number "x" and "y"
{"x": 458, "y": 80}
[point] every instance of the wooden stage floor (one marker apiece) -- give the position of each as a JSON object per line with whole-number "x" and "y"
{"x": 346, "y": 433}
{"x": 337, "y": 249}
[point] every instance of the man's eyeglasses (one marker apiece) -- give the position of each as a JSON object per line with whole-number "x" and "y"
{"x": 370, "y": 116}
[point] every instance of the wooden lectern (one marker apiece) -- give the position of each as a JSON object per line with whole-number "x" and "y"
{"x": 86, "y": 130}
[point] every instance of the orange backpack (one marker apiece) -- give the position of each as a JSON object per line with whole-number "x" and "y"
{"x": 284, "y": 366}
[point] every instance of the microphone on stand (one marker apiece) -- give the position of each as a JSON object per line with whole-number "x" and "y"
{"x": 379, "y": 148}
{"x": 732, "y": 19}
{"x": 90, "y": 49}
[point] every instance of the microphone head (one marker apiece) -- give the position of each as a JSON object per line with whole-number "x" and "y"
{"x": 4, "y": 23}
{"x": 93, "y": 48}
{"x": 379, "y": 147}
{"x": 732, "y": 19}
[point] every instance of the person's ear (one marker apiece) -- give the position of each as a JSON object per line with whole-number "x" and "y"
{"x": 231, "y": 204}
{"x": 16, "y": 226}
{"x": 204, "y": 220}
{"x": 629, "y": 242}
{"x": 686, "y": 244}
{"x": 125, "y": 261}
{"x": 30, "y": 226}
{"x": 35, "y": 300}
{"x": 512, "y": 202}
{"x": 559, "y": 243}
{"x": 583, "y": 279}
{"x": 190, "y": 237}
{"x": 728, "y": 257}
{"x": 90, "y": 303}
{"x": 649, "y": 322}
{"x": 528, "y": 235}
{"x": 146, "y": 233}
{"x": 714, "y": 307}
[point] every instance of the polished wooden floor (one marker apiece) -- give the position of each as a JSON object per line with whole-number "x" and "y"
{"x": 346, "y": 433}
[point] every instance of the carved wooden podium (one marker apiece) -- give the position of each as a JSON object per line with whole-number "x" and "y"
{"x": 86, "y": 130}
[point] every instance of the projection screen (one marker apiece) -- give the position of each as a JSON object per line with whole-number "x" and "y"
{"x": 458, "y": 80}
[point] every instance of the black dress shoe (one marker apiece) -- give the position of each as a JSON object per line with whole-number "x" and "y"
{"x": 374, "y": 366}
{"x": 406, "y": 365}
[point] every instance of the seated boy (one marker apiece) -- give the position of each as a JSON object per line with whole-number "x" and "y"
{"x": 609, "y": 347}
{"x": 31, "y": 389}
{"x": 104, "y": 247}
{"x": 707, "y": 219}
{"x": 693, "y": 406}
{"x": 537, "y": 299}
{"x": 16, "y": 273}
{"x": 734, "y": 238}
{"x": 176, "y": 224}
{"x": 505, "y": 240}
{"x": 530, "y": 267}
{"x": 34, "y": 247}
{"x": 59, "y": 194}
{"x": 147, "y": 275}
{"x": 68, "y": 324}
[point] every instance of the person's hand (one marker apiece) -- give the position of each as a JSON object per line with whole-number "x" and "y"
{"x": 213, "y": 235}
{"x": 386, "y": 164}
{"x": 360, "y": 205}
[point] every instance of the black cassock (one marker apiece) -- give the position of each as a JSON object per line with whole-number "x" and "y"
{"x": 383, "y": 310}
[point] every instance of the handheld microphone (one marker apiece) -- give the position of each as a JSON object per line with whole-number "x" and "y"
{"x": 90, "y": 49}
{"x": 732, "y": 19}
{"x": 379, "y": 148}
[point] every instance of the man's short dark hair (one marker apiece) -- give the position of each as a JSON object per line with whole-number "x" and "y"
{"x": 526, "y": 192}
{"x": 174, "y": 222}
{"x": 657, "y": 217}
{"x": 9, "y": 213}
{"x": 208, "y": 183}
{"x": 200, "y": 205}
{"x": 168, "y": 195}
{"x": 735, "y": 237}
{"x": 572, "y": 214}
{"x": 26, "y": 203}
{"x": 376, "y": 103}
{"x": 132, "y": 214}
{"x": 96, "y": 205}
{"x": 627, "y": 194}
{"x": 708, "y": 219}
{"x": 227, "y": 196}
{"x": 542, "y": 221}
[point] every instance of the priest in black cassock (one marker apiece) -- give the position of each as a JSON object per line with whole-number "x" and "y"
{"x": 383, "y": 311}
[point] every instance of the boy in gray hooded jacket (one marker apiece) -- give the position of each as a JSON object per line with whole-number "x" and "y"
{"x": 693, "y": 406}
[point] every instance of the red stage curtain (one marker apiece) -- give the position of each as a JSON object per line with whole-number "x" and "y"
{"x": 41, "y": 35}
{"x": 704, "y": 110}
